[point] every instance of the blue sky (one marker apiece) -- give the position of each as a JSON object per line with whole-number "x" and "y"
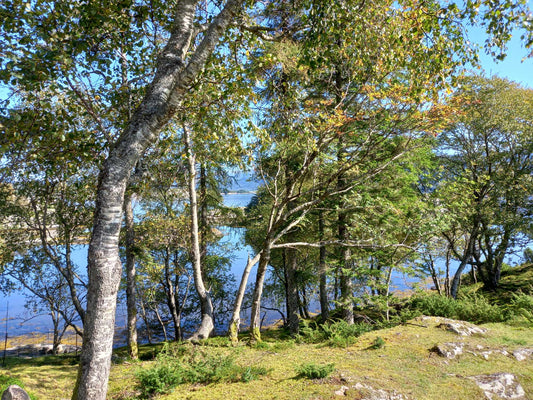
{"x": 512, "y": 67}
{"x": 515, "y": 66}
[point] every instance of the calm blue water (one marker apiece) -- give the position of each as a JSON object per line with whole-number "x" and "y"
{"x": 22, "y": 321}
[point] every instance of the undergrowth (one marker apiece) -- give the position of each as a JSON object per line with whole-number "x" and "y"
{"x": 315, "y": 371}
{"x": 333, "y": 333}
{"x": 474, "y": 307}
{"x": 177, "y": 364}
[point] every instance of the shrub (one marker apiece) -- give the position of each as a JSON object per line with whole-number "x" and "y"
{"x": 185, "y": 364}
{"x": 158, "y": 379}
{"x": 473, "y": 307}
{"x": 378, "y": 343}
{"x": 335, "y": 334}
{"x": 315, "y": 371}
{"x": 521, "y": 307}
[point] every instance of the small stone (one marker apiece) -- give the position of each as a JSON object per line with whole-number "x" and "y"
{"x": 504, "y": 385}
{"x": 367, "y": 392}
{"x": 15, "y": 392}
{"x": 341, "y": 391}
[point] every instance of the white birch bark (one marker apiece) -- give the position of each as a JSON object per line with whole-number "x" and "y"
{"x": 207, "y": 325}
{"x": 174, "y": 74}
{"x": 235, "y": 322}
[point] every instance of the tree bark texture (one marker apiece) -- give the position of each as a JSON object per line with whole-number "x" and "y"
{"x": 174, "y": 74}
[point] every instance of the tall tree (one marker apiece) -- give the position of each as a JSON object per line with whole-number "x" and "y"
{"x": 486, "y": 186}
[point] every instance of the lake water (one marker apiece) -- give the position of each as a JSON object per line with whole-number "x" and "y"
{"x": 22, "y": 321}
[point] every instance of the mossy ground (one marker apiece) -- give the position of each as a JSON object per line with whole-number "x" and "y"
{"x": 405, "y": 364}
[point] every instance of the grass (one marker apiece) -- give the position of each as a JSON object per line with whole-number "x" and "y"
{"x": 396, "y": 358}
{"x": 404, "y": 364}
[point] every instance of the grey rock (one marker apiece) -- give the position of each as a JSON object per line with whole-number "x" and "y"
{"x": 523, "y": 354}
{"x": 341, "y": 391}
{"x": 462, "y": 328}
{"x": 15, "y": 392}
{"x": 500, "y": 386}
{"x": 367, "y": 392}
{"x": 449, "y": 350}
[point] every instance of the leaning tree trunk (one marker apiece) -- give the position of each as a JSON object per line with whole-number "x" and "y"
{"x": 130, "y": 278}
{"x": 207, "y": 325}
{"x": 255, "y": 318}
{"x": 235, "y": 322}
{"x": 174, "y": 75}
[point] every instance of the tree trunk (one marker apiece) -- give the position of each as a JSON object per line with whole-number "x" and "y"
{"x": 235, "y": 322}
{"x": 207, "y": 325}
{"x": 172, "y": 78}
{"x": 346, "y": 286}
{"x": 255, "y": 322}
{"x": 293, "y": 318}
{"x": 171, "y": 296}
{"x": 322, "y": 271}
{"x": 144, "y": 317}
{"x": 130, "y": 278}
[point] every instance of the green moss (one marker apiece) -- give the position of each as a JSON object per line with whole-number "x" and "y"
{"x": 255, "y": 335}
{"x": 234, "y": 333}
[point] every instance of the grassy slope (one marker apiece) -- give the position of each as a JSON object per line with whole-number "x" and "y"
{"x": 405, "y": 364}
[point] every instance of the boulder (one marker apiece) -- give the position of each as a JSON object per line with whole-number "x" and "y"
{"x": 523, "y": 354}
{"x": 500, "y": 386}
{"x": 15, "y": 392}
{"x": 462, "y": 328}
{"x": 341, "y": 391}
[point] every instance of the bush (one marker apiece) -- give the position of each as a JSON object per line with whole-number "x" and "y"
{"x": 473, "y": 307}
{"x": 159, "y": 379}
{"x": 315, "y": 371}
{"x": 335, "y": 334}
{"x": 184, "y": 364}
{"x": 378, "y": 343}
{"x": 521, "y": 307}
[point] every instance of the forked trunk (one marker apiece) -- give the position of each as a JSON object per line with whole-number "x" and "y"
{"x": 255, "y": 322}
{"x": 235, "y": 322}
